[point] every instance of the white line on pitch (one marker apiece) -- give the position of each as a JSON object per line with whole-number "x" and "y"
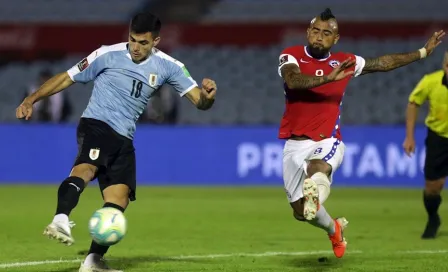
{"x": 422, "y": 251}
{"x": 184, "y": 257}
{"x": 213, "y": 256}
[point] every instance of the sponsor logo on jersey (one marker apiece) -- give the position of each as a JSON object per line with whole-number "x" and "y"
{"x": 83, "y": 64}
{"x": 283, "y": 60}
{"x": 334, "y": 63}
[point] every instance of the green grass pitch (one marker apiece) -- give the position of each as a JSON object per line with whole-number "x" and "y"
{"x": 226, "y": 229}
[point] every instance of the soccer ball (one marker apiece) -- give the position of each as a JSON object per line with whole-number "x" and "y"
{"x": 107, "y": 226}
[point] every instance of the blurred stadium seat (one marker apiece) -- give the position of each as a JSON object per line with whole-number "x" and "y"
{"x": 80, "y": 11}
{"x": 296, "y": 10}
{"x": 250, "y": 88}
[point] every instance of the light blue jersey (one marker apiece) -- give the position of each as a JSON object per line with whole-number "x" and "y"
{"x": 123, "y": 88}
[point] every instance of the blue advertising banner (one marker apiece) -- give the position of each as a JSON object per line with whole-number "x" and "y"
{"x": 211, "y": 155}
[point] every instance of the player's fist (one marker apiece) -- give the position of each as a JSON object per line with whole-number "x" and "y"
{"x": 340, "y": 72}
{"x": 409, "y": 146}
{"x": 209, "y": 88}
{"x": 25, "y": 110}
{"x": 434, "y": 41}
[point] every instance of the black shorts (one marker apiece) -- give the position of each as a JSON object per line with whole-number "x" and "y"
{"x": 112, "y": 153}
{"x": 436, "y": 162}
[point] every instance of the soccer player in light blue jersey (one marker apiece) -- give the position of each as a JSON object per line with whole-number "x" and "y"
{"x": 125, "y": 76}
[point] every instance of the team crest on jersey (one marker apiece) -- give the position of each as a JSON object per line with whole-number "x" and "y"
{"x": 94, "y": 153}
{"x": 334, "y": 63}
{"x": 83, "y": 64}
{"x": 152, "y": 80}
{"x": 283, "y": 60}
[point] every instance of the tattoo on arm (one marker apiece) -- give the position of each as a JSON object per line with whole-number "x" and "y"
{"x": 296, "y": 80}
{"x": 389, "y": 62}
{"x": 204, "y": 103}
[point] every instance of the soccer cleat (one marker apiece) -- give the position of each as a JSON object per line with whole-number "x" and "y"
{"x": 431, "y": 228}
{"x": 60, "y": 231}
{"x": 310, "y": 199}
{"x": 96, "y": 263}
{"x": 337, "y": 239}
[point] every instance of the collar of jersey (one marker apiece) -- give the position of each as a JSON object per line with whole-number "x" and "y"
{"x": 445, "y": 79}
{"x": 153, "y": 51}
{"x": 324, "y": 59}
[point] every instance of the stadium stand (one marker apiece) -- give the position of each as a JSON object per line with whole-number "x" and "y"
{"x": 79, "y": 11}
{"x": 250, "y": 88}
{"x": 300, "y": 10}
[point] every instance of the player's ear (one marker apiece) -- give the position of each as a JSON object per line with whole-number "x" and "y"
{"x": 156, "y": 41}
{"x": 336, "y": 39}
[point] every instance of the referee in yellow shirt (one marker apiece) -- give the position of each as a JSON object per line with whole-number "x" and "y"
{"x": 434, "y": 88}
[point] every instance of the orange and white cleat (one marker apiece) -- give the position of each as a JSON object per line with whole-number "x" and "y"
{"x": 310, "y": 199}
{"x": 337, "y": 239}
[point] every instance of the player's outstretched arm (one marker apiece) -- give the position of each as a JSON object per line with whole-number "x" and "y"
{"x": 297, "y": 81}
{"x": 203, "y": 98}
{"x": 393, "y": 61}
{"x": 54, "y": 85}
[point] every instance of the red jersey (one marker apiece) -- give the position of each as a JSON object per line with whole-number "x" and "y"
{"x": 314, "y": 113}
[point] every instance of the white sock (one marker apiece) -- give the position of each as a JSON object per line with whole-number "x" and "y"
{"x": 92, "y": 259}
{"x": 323, "y": 185}
{"x": 61, "y": 218}
{"x": 323, "y": 220}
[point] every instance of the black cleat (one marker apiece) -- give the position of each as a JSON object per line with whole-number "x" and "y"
{"x": 431, "y": 228}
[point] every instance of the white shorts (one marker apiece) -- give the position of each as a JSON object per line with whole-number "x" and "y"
{"x": 296, "y": 155}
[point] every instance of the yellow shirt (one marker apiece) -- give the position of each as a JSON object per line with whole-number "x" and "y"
{"x": 434, "y": 88}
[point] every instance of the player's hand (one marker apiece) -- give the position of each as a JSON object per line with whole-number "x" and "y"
{"x": 209, "y": 88}
{"x": 434, "y": 41}
{"x": 409, "y": 146}
{"x": 340, "y": 72}
{"x": 25, "y": 110}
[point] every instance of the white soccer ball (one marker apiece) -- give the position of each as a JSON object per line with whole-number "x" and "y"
{"x": 107, "y": 226}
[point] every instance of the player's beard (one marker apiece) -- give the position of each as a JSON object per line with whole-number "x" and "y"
{"x": 318, "y": 52}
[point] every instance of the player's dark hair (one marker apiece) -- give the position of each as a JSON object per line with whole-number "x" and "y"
{"x": 327, "y": 15}
{"x": 146, "y": 22}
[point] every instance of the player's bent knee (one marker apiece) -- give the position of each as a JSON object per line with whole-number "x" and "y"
{"x": 117, "y": 194}
{"x": 316, "y": 166}
{"x": 85, "y": 171}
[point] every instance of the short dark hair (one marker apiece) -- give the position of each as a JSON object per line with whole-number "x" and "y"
{"x": 327, "y": 15}
{"x": 146, "y": 22}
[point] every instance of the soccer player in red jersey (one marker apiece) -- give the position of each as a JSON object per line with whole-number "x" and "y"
{"x": 314, "y": 82}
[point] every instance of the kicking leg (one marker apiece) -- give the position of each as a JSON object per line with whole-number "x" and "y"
{"x": 115, "y": 196}
{"x": 68, "y": 196}
{"x": 432, "y": 200}
{"x": 307, "y": 185}
{"x": 318, "y": 172}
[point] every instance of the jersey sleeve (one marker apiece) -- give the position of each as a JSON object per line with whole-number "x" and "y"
{"x": 88, "y": 68}
{"x": 420, "y": 92}
{"x": 180, "y": 78}
{"x": 359, "y": 66}
{"x": 286, "y": 57}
